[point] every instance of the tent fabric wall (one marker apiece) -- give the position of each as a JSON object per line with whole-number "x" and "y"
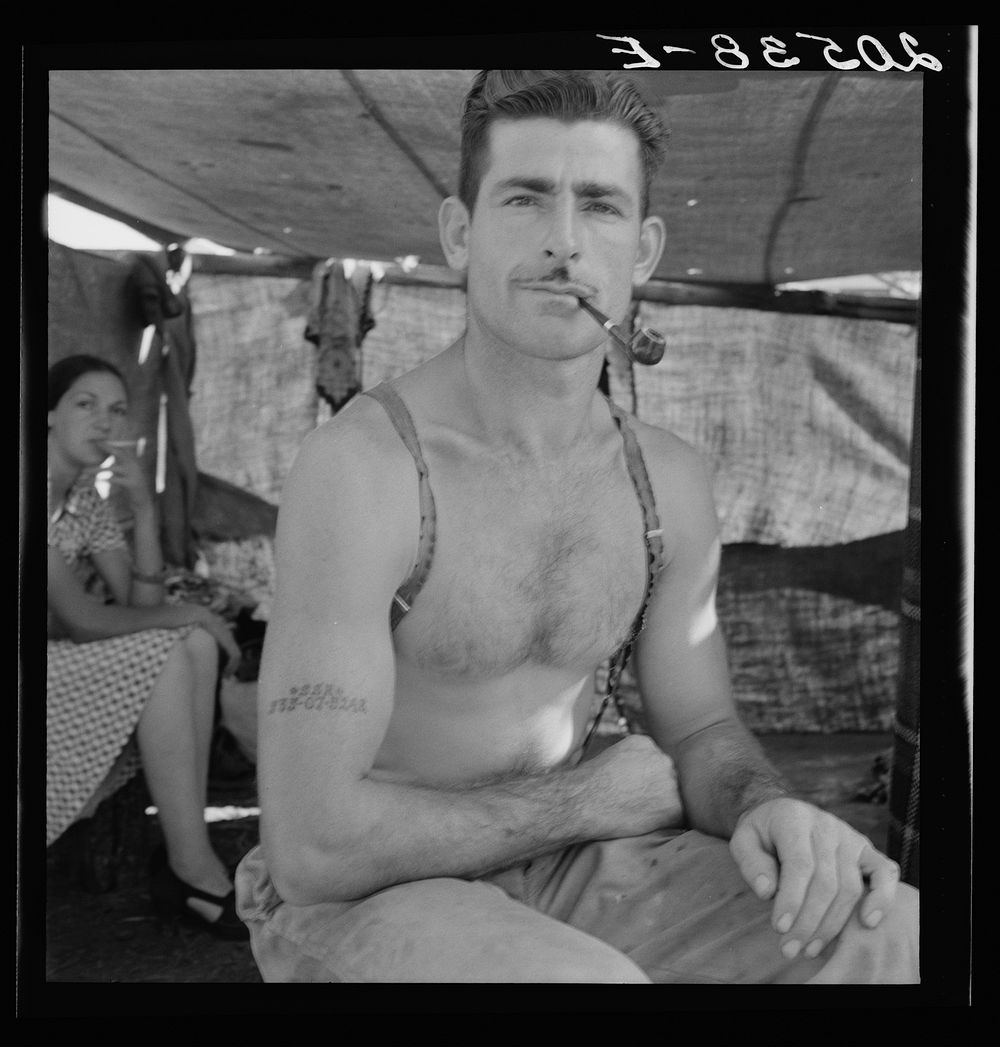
{"x": 255, "y": 394}
{"x": 806, "y": 653}
{"x": 813, "y": 633}
{"x": 253, "y": 407}
{"x": 805, "y": 419}
{"x": 412, "y": 324}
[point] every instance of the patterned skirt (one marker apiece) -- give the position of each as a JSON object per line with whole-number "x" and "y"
{"x": 95, "y": 695}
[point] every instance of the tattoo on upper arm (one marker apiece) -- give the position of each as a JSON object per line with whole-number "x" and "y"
{"x": 318, "y": 696}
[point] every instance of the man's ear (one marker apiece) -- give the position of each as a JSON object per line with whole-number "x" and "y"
{"x": 453, "y": 227}
{"x": 652, "y": 240}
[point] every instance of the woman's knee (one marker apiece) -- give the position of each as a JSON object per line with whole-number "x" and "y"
{"x": 191, "y": 661}
{"x": 202, "y": 652}
{"x": 201, "y": 646}
{"x": 177, "y": 668}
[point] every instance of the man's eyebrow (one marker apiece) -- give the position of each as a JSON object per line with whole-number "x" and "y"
{"x": 535, "y": 185}
{"x": 588, "y": 190}
{"x": 597, "y": 190}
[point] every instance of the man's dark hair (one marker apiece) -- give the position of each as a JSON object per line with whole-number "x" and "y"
{"x": 63, "y": 373}
{"x": 568, "y": 95}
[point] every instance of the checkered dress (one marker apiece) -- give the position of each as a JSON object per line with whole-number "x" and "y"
{"x": 95, "y": 691}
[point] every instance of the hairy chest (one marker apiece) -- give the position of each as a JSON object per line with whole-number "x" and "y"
{"x": 540, "y": 566}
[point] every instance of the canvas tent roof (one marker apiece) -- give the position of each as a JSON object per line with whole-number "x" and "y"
{"x": 771, "y": 176}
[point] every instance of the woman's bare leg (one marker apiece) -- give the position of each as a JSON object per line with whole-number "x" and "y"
{"x": 174, "y": 760}
{"x": 204, "y": 655}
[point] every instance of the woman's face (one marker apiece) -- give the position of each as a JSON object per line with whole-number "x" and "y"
{"x": 92, "y": 411}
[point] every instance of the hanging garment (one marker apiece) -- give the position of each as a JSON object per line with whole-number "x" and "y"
{"x": 339, "y": 318}
{"x": 168, "y": 311}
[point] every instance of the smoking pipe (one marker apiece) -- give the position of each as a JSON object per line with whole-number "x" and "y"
{"x": 645, "y": 346}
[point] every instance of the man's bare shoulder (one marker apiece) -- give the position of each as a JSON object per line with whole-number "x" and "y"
{"x": 682, "y": 480}
{"x": 353, "y": 484}
{"x": 358, "y": 443}
{"x": 670, "y": 459}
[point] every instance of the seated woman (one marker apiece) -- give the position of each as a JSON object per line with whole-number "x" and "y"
{"x": 126, "y": 671}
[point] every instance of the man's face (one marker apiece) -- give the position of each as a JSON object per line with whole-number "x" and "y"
{"x": 557, "y": 216}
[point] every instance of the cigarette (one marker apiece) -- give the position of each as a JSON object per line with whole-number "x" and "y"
{"x": 139, "y": 445}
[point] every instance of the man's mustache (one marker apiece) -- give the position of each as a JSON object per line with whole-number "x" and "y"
{"x": 558, "y": 276}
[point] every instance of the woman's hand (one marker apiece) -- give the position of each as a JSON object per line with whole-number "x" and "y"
{"x": 126, "y": 472}
{"x": 219, "y": 628}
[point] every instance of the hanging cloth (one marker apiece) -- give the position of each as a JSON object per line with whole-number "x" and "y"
{"x": 166, "y": 310}
{"x": 339, "y": 318}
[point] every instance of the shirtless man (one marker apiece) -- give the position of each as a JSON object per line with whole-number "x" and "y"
{"x": 455, "y": 558}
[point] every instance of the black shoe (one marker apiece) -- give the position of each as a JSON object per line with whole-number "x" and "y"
{"x": 170, "y": 896}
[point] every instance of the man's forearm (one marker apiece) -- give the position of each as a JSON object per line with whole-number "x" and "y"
{"x": 481, "y": 828}
{"x": 410, "y": 832}
{"x": 378, "y": 832}
{"x": 723, "y": 772}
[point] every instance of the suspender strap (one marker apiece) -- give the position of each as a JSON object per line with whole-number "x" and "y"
{"x": 400, "y": 417}
{"x": 654, "y": 559}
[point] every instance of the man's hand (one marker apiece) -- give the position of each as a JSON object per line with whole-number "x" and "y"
{"x": 637, "y": 788}
{"x": 815, "y": 866}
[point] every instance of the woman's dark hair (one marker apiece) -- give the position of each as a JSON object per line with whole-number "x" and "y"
{"x": 63, "y": 373}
